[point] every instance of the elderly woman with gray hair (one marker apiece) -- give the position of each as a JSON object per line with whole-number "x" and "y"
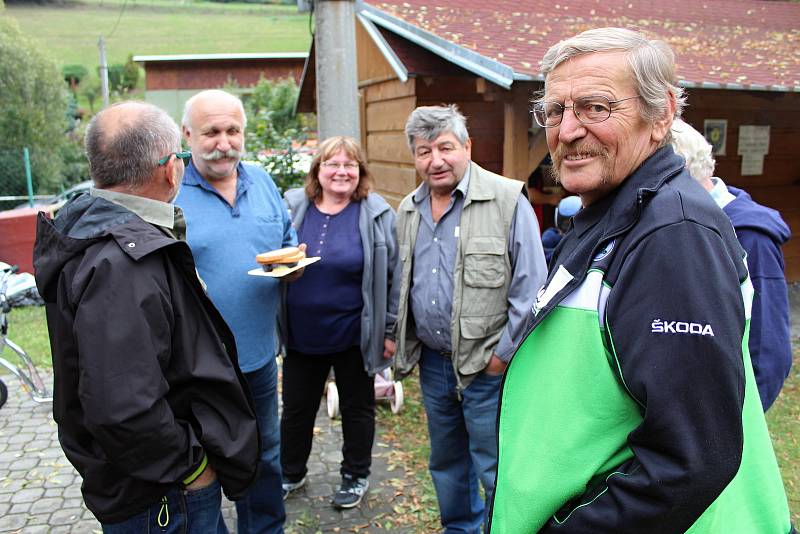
{"x": 761, "y": 231}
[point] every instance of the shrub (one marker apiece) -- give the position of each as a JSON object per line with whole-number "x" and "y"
{"x": 33, "y": 107}
{"x": 276, "y": 134}
{"x": 73, "y": 74}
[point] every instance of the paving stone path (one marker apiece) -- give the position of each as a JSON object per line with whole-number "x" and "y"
{"x": 40, "y": 490}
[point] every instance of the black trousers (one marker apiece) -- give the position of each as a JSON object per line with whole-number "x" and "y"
{"x": 304, "y": 377}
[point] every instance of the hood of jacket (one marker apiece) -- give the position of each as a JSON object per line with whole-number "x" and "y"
{"x": 744, "y": 212}
{"x": 81, "y": 223}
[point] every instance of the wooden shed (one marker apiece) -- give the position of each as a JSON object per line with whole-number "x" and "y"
{"x": 737, "y": 61}
{"x": 170, "y": 80}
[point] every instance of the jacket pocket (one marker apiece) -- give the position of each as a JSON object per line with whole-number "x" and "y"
{"x": 479, "y": 337}
{"x": 484, "y": 262}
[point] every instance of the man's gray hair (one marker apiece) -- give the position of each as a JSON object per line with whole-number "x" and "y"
{"x": 127, "y": 154}
{"x": 651, "y": 62}
{"x": 694, "y": 148}
{"x": 211, "y": 93}
{"x": 429, "y": 122}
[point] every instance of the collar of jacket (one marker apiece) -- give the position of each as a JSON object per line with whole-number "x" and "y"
{"x": 84, "y": 221}
{"x": 616, "y": 213}
{"x": 620, "y": 209}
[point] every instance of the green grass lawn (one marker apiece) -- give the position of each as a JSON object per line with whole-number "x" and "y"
{"x": 407, "y": 431}
{"x": 70, "y": 32}
{"x": 783, "y": 419}
{"x": 27, "y": 327}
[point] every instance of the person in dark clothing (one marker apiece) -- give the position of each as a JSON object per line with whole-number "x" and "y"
{"x": 761, "y": 231}
{"x": 151, "y": 407}
{"x": 630, "y": 404}
{"x": 540, "y": 198}
{"x": 564, "y": 212}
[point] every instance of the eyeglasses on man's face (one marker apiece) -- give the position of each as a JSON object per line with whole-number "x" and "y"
{"x": 184, "y": 156}
{"x": 587, "y": 109}
{"x": 334, "y": 166}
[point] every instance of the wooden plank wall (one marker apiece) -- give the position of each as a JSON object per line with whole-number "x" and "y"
{"x": 386, "y": 103}
{"x": 485, "y": 119}
{"x": 779, "y": 186}
{"x": 387, "y": 106}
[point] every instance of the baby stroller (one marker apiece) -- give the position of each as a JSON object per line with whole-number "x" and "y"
{"x": 385, "y": 389}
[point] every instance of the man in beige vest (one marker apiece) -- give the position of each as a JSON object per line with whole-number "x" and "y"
{"x": 472, "y": 262}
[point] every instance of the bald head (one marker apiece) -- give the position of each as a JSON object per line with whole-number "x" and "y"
{"x": 210, "y": 99}
{"x": 213, "y": 126}
{"x": 125, "y": 141}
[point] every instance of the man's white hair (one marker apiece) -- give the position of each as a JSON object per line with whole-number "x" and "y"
{"x": 218, "y": 94}
{"x": 694, "y": 148}
{"x": 651, "y": 64}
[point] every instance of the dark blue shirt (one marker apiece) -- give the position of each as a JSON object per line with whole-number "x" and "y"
{"x": 324, "y": 305}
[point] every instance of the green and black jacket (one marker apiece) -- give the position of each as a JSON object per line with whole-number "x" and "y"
{"x": 631, "y": 404}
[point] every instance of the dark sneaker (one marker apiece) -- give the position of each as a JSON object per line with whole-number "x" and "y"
{"x": 351, "y": 491}
{"x": 291, "y": 487}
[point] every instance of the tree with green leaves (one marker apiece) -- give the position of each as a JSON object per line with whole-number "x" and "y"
{"x": 275, "y": 131}
{"x": 33, "y": 111}
{"x": 73, "y": 74}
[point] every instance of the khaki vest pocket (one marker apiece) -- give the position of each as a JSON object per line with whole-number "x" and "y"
{"x": 484, "y": 262}
{"x": 479, "y": 337}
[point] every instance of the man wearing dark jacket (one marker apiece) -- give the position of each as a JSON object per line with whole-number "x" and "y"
{"x": 630, "y": 406}
{"x": 151, "y": 406}
{"x": 761, "y": 232}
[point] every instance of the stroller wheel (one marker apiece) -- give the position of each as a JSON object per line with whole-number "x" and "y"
{"x": 332, "y": 399}
{"x": 396, "y": 402}
{"x": 3, "y": 393}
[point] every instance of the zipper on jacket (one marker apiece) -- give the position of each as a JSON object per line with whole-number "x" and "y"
{"x": 163, "y": 514}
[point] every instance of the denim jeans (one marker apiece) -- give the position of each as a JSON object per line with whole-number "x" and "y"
{"x": 304, "y": 377}
{"x": 261, "y": 509}
{"x": 178, "y": 512}
{"x": 463, "y": 441}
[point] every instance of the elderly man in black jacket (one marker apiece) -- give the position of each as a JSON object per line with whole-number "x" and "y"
{"x": 151, "y": 406}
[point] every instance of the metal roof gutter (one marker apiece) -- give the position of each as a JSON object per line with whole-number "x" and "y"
{"x": 739, "y": 87}
{"x": 492, "y": 70}
{"x": 213, "y": 57}
{"x": 397, "y": 66}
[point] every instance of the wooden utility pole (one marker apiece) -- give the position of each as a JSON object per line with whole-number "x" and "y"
{"x": 101, "y": 44}
{"x": 337, "y": 77}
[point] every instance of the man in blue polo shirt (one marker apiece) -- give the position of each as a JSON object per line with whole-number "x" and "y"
{"x": 233, "y": 212}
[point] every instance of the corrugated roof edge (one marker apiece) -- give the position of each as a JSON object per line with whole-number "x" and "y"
{"x": 397, "y": 66}
{"x": 492, "y": 70}
{"x": 214, "y": 57}
{"x": 739, "y": 87}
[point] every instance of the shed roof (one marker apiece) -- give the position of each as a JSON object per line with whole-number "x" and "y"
{"x": 728, "y": 44}
{"x": 221, "y": 57}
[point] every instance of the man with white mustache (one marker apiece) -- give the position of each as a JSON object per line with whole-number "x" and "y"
{"x": 630, "y": 405}
{"x": 233, "y": 212}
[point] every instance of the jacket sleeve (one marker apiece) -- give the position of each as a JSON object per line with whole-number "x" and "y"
{"x": 770, "y": 334}
{"x": 528, "y": 274}
{"x": 123, "y": 323}
{"x": 389, "y": 222}
{"x": 289, "y": 232}
{"x": 675, "y": 323}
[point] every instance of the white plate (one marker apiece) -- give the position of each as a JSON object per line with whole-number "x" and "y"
{"x": 281, "y": 272}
